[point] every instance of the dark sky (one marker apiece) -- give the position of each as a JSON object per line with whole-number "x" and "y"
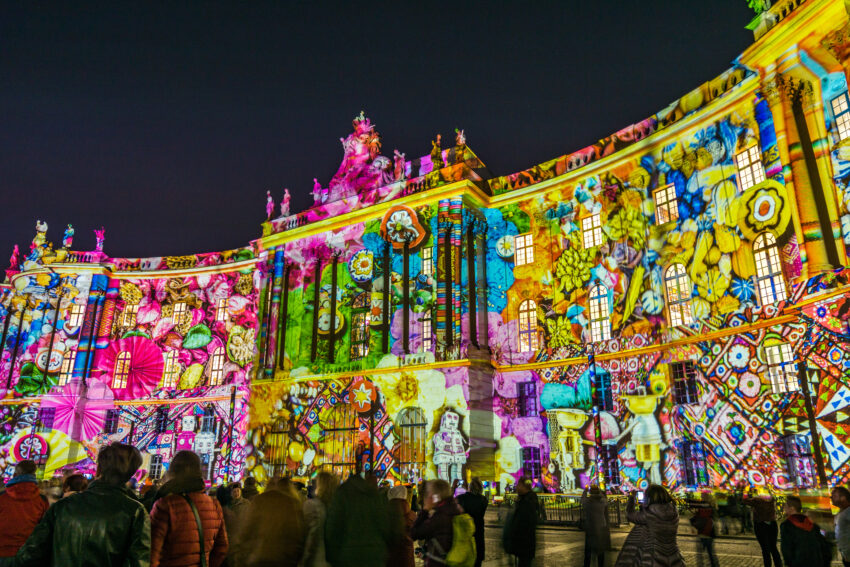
{"x": 167, "y": 125}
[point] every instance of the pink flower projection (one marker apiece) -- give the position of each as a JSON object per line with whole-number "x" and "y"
{"x": 145, "y": 367}
{"x": 80, "y": 410}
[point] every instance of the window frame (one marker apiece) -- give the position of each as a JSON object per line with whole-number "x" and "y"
{"x": 781, "y": 372}
{"x": 531, "y": 462}
{"x": 527, "y": 399}
{"x": 770, "y": 286}
{"x": 412, "y": 436}
{"x": 610, "y": 464}
{"x": 591, "y": 231}
{"x": 427, "y": 261}
{"x": 684, "y": 378}
{"x": 217, "y": 367}
{"x": 161, "y": 421}
{"x": 121, "y": 371}
{"x": 523, "y": 249}
{"x": 170, "y": 369}
{"x": 277, "y": 447}
{"x": 46, "y": 417}
{"x": 694, "y": 461}
{"x": 76, "y": 314}
{"x": 66, "y": 371}
{"x": 841, "y": 118}
{"x": 110, "y": 422}
{"x": 361, "y": 320}
{"x": 600, "y": 323}
{"x": 427, "y": 322}
{"x": 156, "y": 467}
{"x": 179, "y": 312}
{"x": 528, "y": 339}
{"x": 679, "y": 289}
{"x": 604, "y": 391}
{"x": 129, "y": 314}
{"x": 799, "y": 464}
{"x": 221, "y": 309}
{"x": 749, "y": 173}
{"x": 669, "y": 205}
{"x": 340, "y": 431}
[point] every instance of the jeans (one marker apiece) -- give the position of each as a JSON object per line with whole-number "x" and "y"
{"x": 766, "y": 533}
{"x": 707, "y": 544}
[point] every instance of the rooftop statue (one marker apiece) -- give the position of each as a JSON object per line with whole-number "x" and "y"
{"x": 68, "y": 238}
{"x": 759, "y": 6}
{"x": 14, "y": 259}
{"x": 284, "y": 204}
{"x": 99, "y": 238}
{"x": 269, "y": 205}
{"x": 362, "y": 165}
{"x": 437, "y": 153}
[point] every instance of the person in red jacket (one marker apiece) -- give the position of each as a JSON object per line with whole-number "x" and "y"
{"x": 21, "y": 508}
{"x": 175, "y": 541}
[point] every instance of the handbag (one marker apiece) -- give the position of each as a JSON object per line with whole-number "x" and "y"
{"x": 200, "y": 529}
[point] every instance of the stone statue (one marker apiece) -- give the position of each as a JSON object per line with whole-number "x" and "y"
{"x": 460, "y": 138}
{"x": 99, "y": 238}
{"x": 356, "y": 173}
{"x": 269, "y": 205}
{"x": 398, "y": 165}
{"x": 14, "y": 259}
{"x": 317, "y": 191}
{"x": 437, "y": 153}
{"x": 284, "y": 204}
{"x": 449, "y": 453}
{"x": 40, "y": 234}
{"x": 68, "y": 238}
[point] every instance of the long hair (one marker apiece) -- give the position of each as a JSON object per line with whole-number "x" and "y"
{"x": 326, "y": 484}
{"x": 657, "y": 494}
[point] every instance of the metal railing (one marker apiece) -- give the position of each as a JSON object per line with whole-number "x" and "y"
{"x": 565, "y": 509}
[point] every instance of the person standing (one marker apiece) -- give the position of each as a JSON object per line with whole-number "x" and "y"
{"x": 315, "y": 514}
{"x": 474, "y": 503}
{"x": 594, "y": 515}
{"x": 652, "y": 540}
{"x": 765, "y": 527}
{"x": 434, "y": 523}
{"x": 175, "y": 537}
{"x": 803, "y": 544}
{"x": 21, "y": 508}
{"x": 357, "y": 531}
{"x": 273, "y": 531}
{"x": 520, "y": 534}
{"x": 841, "y": 499}
{"x": 703, "y": 522}
{"x": 74, "y": 483}
{"x": 401, "y": 518}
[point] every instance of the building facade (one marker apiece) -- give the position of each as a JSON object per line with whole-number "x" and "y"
{"x": 668, "y": 305}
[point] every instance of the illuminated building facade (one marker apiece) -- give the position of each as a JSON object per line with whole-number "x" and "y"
{"x": 667, "y": 305}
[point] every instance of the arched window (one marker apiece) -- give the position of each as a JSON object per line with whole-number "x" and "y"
{"x": 67, "y": 369}
{"x": 600, "y": 314}
{"x": 769, "y": 280}
{"x": 678, "y": 295}
{"x": 277, "y": 447}
{"x": 122, "y": 370}
{"x": 411, "y": 435}
{"x": 217, "y": 367}
{"x": 170, "y": 370}
{"x": 528, "y": 341}
{"x": 360, "y": 321}
{"x": 339, "y": 442}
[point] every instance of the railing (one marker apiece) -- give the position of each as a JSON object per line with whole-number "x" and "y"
{"x": 565, "y": 509}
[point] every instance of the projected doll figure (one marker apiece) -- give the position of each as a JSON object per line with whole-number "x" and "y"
{"x": 566, "y": 444}
{"x": 647, "y": 439}
{"x": 449, "y": 454}
{"x": 186, "y": 437}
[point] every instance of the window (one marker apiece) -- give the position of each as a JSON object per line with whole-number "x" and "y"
{"x": 684, "y": 382}
{"x": 528, "y": 339}
{"x": 604, "y": 394}
{"x": 122, "y": 370}
{"x": 67, "y": 369}
{"x": 750, "y": 169}
{"x": 769, "y": 280}
{"x": 841, "y": 113}
{"x": 170, "y": 370}
{"x": 156, "y": 467}
{"x": 160, "y": 420}
{"x": 411, "y": 434}
{"x": 338, "y": 443}
{"x": 360, "y": 321}
{"x": 179, "y": 313}
{"x": 75, "y": 317}
{"x": 46, "y": 416}
{"x": 523, "y": 249}
{"x": 221, "y": 310}
{"x": 678, "y": 295}
{"x": 600, "y": 314}
{"x": 666, "y": 206}
{"x": 781, "y": 368}
{"x": 527, "y": 399}
{"x": 208, "y": 420}
{"x": 695, "y": 472}
{"x": 277, "y": 448}
{"x": 591, "y": 230}
{"x": 428, "y": 261}
{"x": 427, "y": 332}
{"x": 130, "y": 312}
{"x": 797, "y": 451}
{"x": 531, "y": 462}
{"x": 217, "y": 367}
{"x": 110, "y": 424}
{"x": 610, "y": 465}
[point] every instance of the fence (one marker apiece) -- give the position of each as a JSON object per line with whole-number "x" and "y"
{"x": 565, "y": 509}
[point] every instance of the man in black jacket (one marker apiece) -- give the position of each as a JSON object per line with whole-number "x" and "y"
{"x": 103, "y": 526}
{"x": 520, "y": 536}
{"x": 803, "y": 544}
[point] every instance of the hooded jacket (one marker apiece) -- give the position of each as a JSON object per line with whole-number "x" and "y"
{"x": 357, "y": 532}
{"x": 21, "y": 508}
{"x": 652, "y": 542}
{"x": 803, "y": 544}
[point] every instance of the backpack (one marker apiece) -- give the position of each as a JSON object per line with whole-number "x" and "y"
{"x": 462, "y": 553}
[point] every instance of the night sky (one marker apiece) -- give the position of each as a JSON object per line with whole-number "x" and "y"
{"x": 168, "y": 125}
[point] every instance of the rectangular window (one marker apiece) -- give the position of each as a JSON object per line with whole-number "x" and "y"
{"x": 591, "y": 230}
{"x": 428, "y": 261}
{"x": 610, "y": 465}
{"x": 130, "y": 312}
{"x": 67, "y": 369}
{"x": 841, "y": 113}
{"x": 46, "y": 417}
{"x": 156, "y": 467}
{"x": 170, "y": 370}
{"x": 531, "y": 462}
{"x": 110, "y": 424}
{"x": 75, "y": 316}
{"x": 750, "y": 169}
{"x": 527, "y": 401}
{"x": 160, "y": 423}
{"x": 694, "y": 469}
{"x": 604, "y": 395}
{"x": 221, "y": 310}
{"x": 217, "y": 368}
{"x": 600, "y": 315}
{"x": 524, "y": 249}
{"x": 360, "y": 321}
{"x": 179, "y": 313}
{"x": 797, "y": 451}
{"x": 684, "y": 382}
{"x": 208, "y": 421}
{"x": 427, "y": 332}
{"x": 781, "y": 368}
{"x": 666, "y": 206}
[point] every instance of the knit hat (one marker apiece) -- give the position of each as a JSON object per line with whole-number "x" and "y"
{"x": 399, "y": 491}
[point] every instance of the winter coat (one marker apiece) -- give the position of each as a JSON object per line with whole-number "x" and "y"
{"x": 764, "y": 509}
{"x": 803, "y": 545}
{"x": 21, "y": 508}
{"x": 234, "y": 518}
{"x": 315, "y": 514}
{"x": 594, "y": 516}
{"x": 101, "y": 527}
{"x": 652, "y": 542}
{"x": 520, "y": 532}
{"x": 357, "y": 532}
{"x": 273, "y": 531}
{"x": 401, "y": 518}
{"x": 174, "y": 532}
{"x": 437, "y": 530}
{"x": 475, "y": 505}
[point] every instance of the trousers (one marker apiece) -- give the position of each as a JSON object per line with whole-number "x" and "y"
{"x": 766, "y": 534}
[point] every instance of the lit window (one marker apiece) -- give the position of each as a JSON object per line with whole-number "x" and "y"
{"x": 604, "y": 394}
{"x": 156, "y": 467}
{"x": 841, "y": 112}
{"x": 122, "y": 370}
{"x": 523, "y": 249}
{"x": 221, "y": 309}
{"x": 610, "y": 465}
{"x": 694, "y": 466}
{"x": 678, "y": 295}
{"x": 75, "y": 317}
{"x": 360, "y": 321}
{"x": 208, "y": 420}
{"x": 412, "y": 433}
{"x": 179, "y": 314}
{"x": 427, "y": 332}
{"x": 531, "y": 463}
{"x": 528, "y": 341}
{"x": 591, "y": 230}
{"x": 600, "y": 314}
{"x": 67, "y": 369}
{"x": 666, "y": 206}
{"x": 769, "y": 280}
{"x": 797, "y": 450}
{"x": 277, "y": 447}
{"x": 46, "y": 416}
{"x": 110, "y": 424}
{"x": 750, "y": 169}
{"x": 684, "y": 382}
{"x": 781, "y": 368}
{"x": 428, "y": 261}
{"x": 170, "y": 370}
{"x": 338, "y": 443}
{"x": 160, "y": 421}
{"x": 130, "y": 312}
{"x": 217, "y": 368}
{"x": 527, "y": 399}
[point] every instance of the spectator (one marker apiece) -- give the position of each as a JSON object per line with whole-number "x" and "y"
{"x": 401, "y": 518}
{"x": 21, "y": 508}
{"x": 841, "y": 500}
{"x": 103, "y": 526}
{"x": 357, "y": 531}
{"x": 250, "y": 489}
{"x": 594, "y": 516}
{"x": 803, "y": 544}
{"x": 175, "y": 538}
{"x": 273, "y": 530}
{"x": 475, "y": 504}
{"x": 74, "y": 483}
{"x": 652, "y": 542}
{"x": 315, "y": 514}
{"x": 765, "y": 527}
{"x": 703, "y": 523}
{"x": 520, "y": 535}
{"x": 434, "y": 522}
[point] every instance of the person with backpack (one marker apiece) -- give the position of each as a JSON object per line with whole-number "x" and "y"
{"x": 448, "y": 532}
{"x": 803, "y": 543}
{"x": 520, "y": 534}
{"x": 474, "y": 503}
